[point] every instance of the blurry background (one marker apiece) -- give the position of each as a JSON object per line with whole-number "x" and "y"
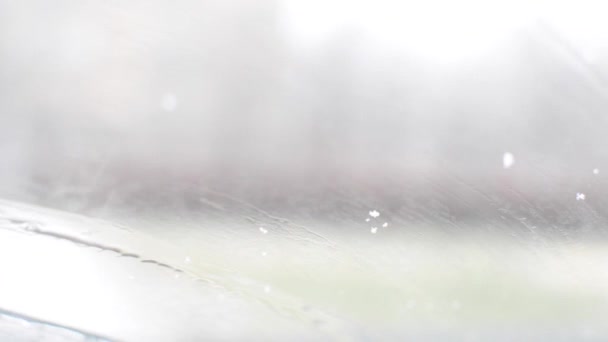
{"x": 202, "y": 121}
{"x": 97, "y": 97}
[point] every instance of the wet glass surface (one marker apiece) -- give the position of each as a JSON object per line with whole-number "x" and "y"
{"x": 291, "y": 170}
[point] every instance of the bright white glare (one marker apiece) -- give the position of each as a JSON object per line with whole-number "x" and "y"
{"x": 53, "y": 279}
{"x": 583, "y": 24}
{"x": 443, "y": 31}
{"x": 508, "y": 160}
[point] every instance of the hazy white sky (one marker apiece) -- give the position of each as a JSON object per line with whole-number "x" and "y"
{"x": 446, "y": 30}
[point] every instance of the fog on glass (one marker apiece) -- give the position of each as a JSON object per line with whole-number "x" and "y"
{"x": 303, "y": 170}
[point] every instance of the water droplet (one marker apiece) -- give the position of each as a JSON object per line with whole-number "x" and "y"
{"x": 508, "y": 160}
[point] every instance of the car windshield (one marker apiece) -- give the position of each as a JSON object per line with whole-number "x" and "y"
{"x": 303, "y": 170}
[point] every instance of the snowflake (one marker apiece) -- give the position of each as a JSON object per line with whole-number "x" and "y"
{"x": 374, "y": 213}
{"x": 580, "y": 196}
